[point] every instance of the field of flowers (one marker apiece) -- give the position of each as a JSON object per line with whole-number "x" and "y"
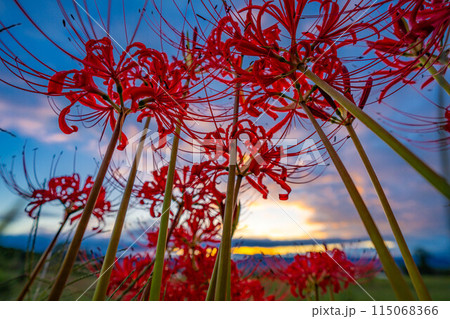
{"x": 228, "y": 98}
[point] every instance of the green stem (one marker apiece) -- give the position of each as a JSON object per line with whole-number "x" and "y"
{"x": 440, "y": 79}
{"x": 37, "y": 269}
{"x": 225, "y": 244}
{"x": 234, "y": 223}
{"x": 146, "y": 295}
{"x": 72, "y": 252}
{"x": 236, "y": 204}
{"x": 227, "y": 225}
{"x": 393, "y": 273}
{"x": 108, "y": 262}
{"x": 155, "y": 289}
{"x": 316, "y": 292}
{"x": 416, "y": 278}
{"x": 429, "y": 174}
{"x": 213, "y": 282}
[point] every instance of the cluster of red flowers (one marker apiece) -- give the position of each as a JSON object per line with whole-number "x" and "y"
{"x": 69, "y": 191}
{"x": 188, "y": 270}
{"x": 318, "y": 272}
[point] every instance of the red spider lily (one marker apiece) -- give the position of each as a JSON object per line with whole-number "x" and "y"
{"x": 187, "y": 271}
{"x": 186, "y": 277}
{"x": 195, "y": 268}
{"x": 319, "y": 270}
{"x": 66, "y": 190}
{"x": 198, "y": 227}
{"x": 111, "y": 79}
{"x": 73, "y": 196}
{"x": 419, "y": 31}
{"x": 142, "y": 76}
{"x": 257, "y": 158}
{"x": 272, "y": 72}
{"x": 193, "y": 189}
{"x": 127, "y": 270}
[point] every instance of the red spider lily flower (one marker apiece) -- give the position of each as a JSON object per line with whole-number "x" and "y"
{"x": 129, "y": 269}
{"x": 198, "y": 227}
{"x": 110, "y": 80}
{"x": 272, "y": 72}
{"x": 195, "y": 268}
{"x": 257, "y": 158}
{"x": 192, "y": 189}
{"x": 186, "y": 277}
{"x": 69, "y": 191}
{"x": 419, "y": 30}
{"x": 317, "y": 272}
{"x": 187, "y": 271}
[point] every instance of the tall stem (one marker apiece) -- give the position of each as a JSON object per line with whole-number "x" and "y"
{"x": 37, "y": 269}
{"x": 72, "y": 252}
{"x": 108, "y": 261}
{"x": 416, "y": 278}
{"x": 393, "y": 273}
{"x": 213, "y": 282}
{"x": 225, "y": 244}
{"x": 429, "y": 174}
{"x": 234, "y": 224}
{"x": 155, "y": 289}
{"x": 146, "y": 294}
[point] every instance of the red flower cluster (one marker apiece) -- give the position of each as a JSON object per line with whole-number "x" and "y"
{"x": 141, "y": 76}
{"x": 419, "y": 29}
{"x": 188, "y": 270}
{"x": 257, "y": 156}
{"x": 194, "y": 188}
{"x": 319, "y": 272}
{"x": 69, "y": 191}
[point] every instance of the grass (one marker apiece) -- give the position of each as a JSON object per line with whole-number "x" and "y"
{"x": 378, "y": 288}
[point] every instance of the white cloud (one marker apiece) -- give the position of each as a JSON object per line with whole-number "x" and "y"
{"x": 37, "y": 121}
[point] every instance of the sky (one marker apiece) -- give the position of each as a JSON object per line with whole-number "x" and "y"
{"x": 318, "y": 210}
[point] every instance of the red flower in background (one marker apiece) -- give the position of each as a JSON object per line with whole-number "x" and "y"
{"x": 194, "y": 189}
{"x": 69, "y": 191}
{"x": 318, "y": 272}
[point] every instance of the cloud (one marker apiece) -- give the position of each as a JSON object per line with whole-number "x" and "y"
{"x": 37, "y": 121}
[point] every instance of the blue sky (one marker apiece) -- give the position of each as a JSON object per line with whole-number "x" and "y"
{"x": 320, "y": 209}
